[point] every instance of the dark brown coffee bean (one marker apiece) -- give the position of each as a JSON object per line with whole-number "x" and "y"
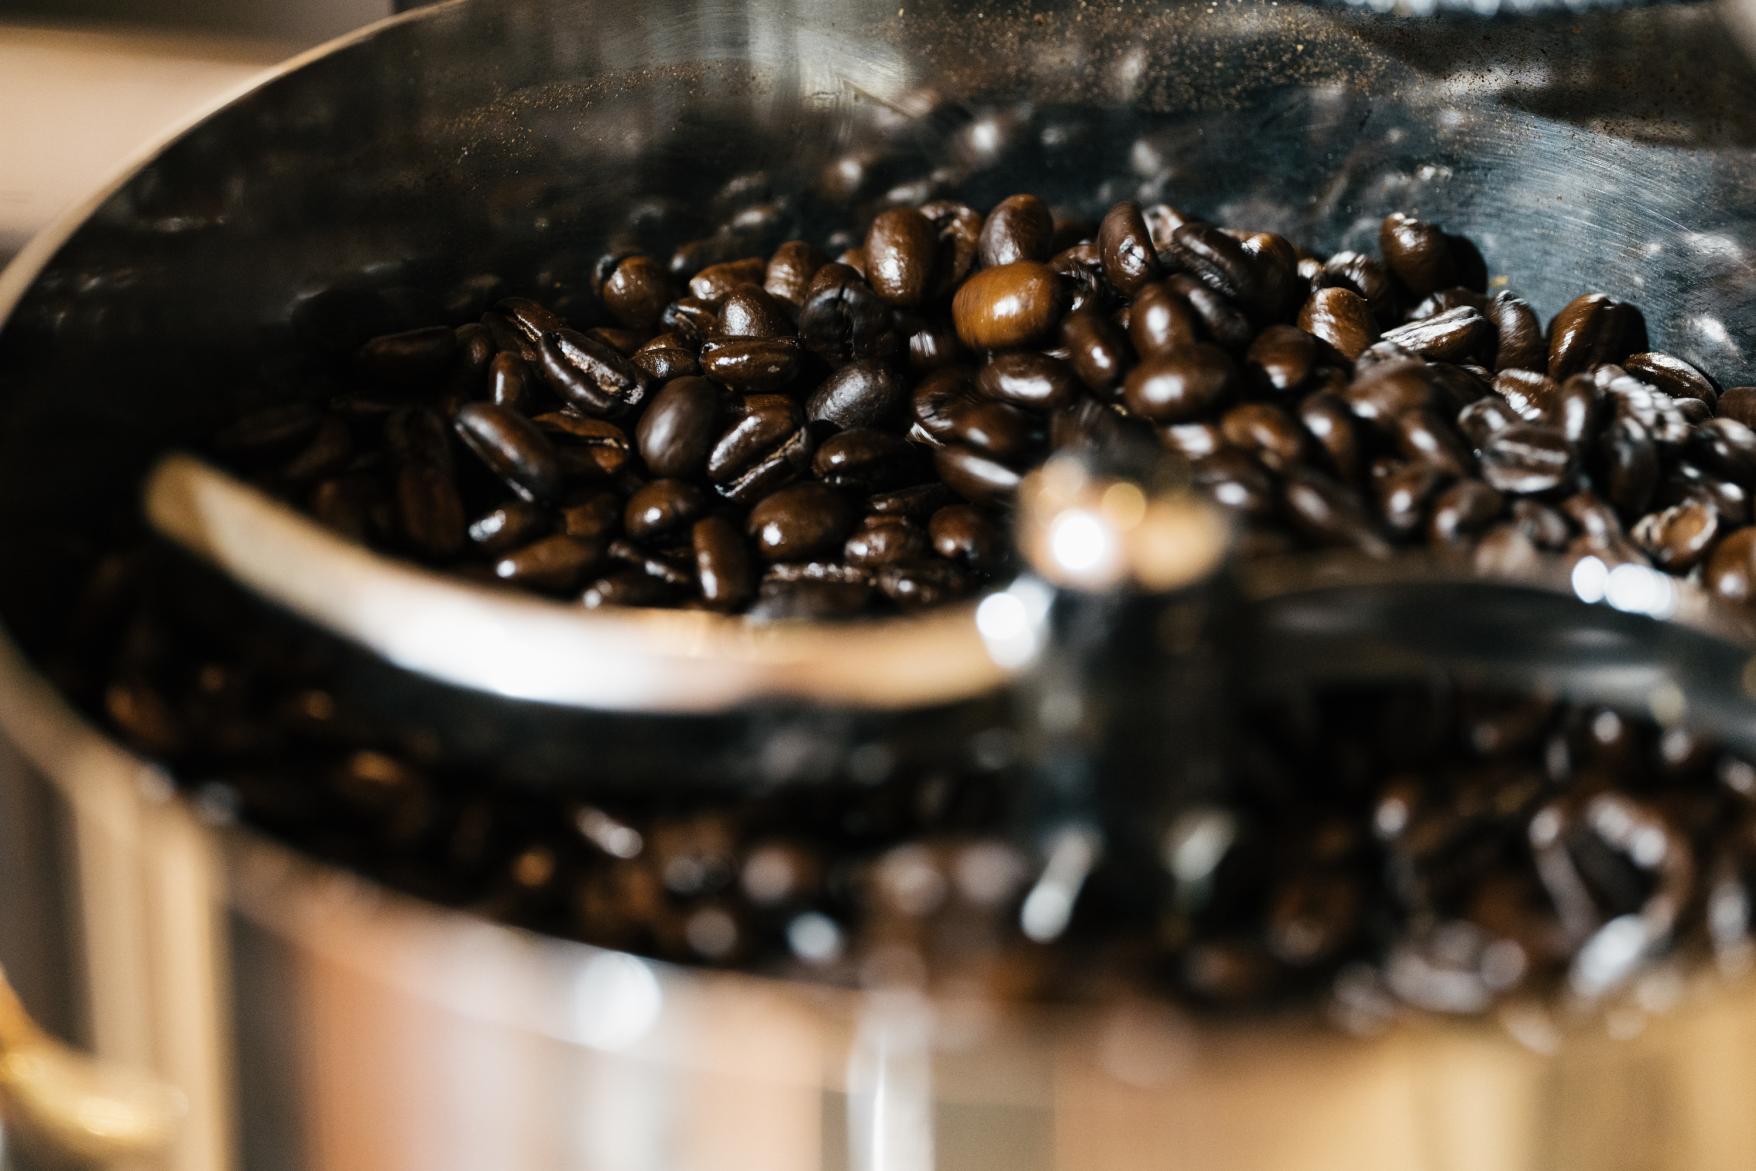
{"x": 690, "y": 320}
{"x": 1222, "y": 320}
{"x": 512, "y": 447}
{"x": 968, "y": 536}
{"x": 1626, "y": 465}
{"x": 475, "y": 349}
{"x": 414, "y": 360}
{"x": 1530, "y": 394}
{"x": 1457, "y": 335}
{"x": 678, "y": 430}
{"x": 915, "y": 585}
{"x": 918, "y": 502}
{"x": 1081, "y": 271}
{"x": 669, "y": 566}
{"x": 593, "y": 448}
{"x": 1019, "y": 228}
{"x": 976, "y": 477}
{"x": 512, "y": 524}
{"x": 766, "y": 447}
{"x": 636, "y": 292}
{"x": 1257, "y": 273}
{"x": 1445, "y": 300}
{"x": 1658, "y": 412}
{"x": 843, "y": 318}
{"x": 1366, "y": 276}
{"x": 509, "y": 383}
{"x": 1418, "y": 253}
{"x": 594, "y": 516}
{"x": 552, "y": 563}
{"x": 1505, "y": 550}
{"x": 1483, "y": 417}
{"x": 1731, "y": 570}
{"x": 1096, "y": 350}
{"x": 1266, "y": 432}
{"x": 996, "y": 429}
{"x": 882, "y": 540}
{"x": 1340, "y": 317}
{"x": 1679, "y": 537}
{"x": 1688, "y": 482}
{"x": 1593, "y": 330}
{"x": 1161, "y": 322}
{"x": 1282, "y": 357}
{"x": 1178, "y": 387}
{"x": 1005, "y": 307}
{"x": 1545, "y": 526}
{"x": 1425, "y": 437}
{"x": 1527, "y": 458}
{"x": 1329, "y": 514}
{"x": 663, "y": 509}
{"x": 1725, "y": 447}
{"x": 959, "y": 228}
{"x": 664, "y": 358}
{"x": 934, "y": 401}
{"x": 860, "y": 394}
{"x": 1034, "y": 381}
{"x": 628, "y": 586}
{"x": 590, "y": 375}
{"x": 724, "y": 570}
{"x": 1519, "y": 334}
{"x": 1579, "y": 409}
{"x": 1384, "y": 391}
{"x": 1739, "y": 403}
{"x": 1674, "y": 376}
{"x": 933, "y": 347}
{"x": 790, "y": 270}
{"x": 1463, "y": 510}
{"x": 1403, "y": 491}
{"x": 801, "y": 521}
{"x": 1192, "y": 441}
{"x": 1126, "y": 250}
{"x": 429, "y": 511}
{"x": 528, "y": 319}
{"x": 716, "y": 282}
{"x": 866, "y": 460}
{"x": 900, "y": 250}
{"x": 751, "y": 365}
{"x": 1331, "y": 424}
{"x": 754, "y": 313}
{"x": 352, "y": 505}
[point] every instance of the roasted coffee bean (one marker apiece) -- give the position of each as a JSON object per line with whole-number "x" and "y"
{"x": 1222, "y": 320}
{"x": 593, "y": 515}
{"x": 590, "y": 375}
{"x": 508, "y": 526}
{"x": 1674, "y": 376}
{"x": 1739, "y": 404}
{"x": 1725, "y": 447}
{"x": 1626, "y": 466}
{"x": 1403, "y": 491}
{"x": 1485, "y": 416}
{"x": 351, "y": 505}
{"x": 636, "y": 292}
{"x": 1527, "y": 458}
{"x": 414, "y": 360}
{"x": 1457, "y": 335}
{"x": 1519, "y": 335}
{"x": 1160, "y": 321}
{"x": 1192, "y": 441}
{"x": 968, "y": 536}
{"x": 1257, "y": 277}
{"x": 663, "y": 509}
{"x": 1531, "y": 395}
{"x": 475, "y": 349}
{"x": 766, "y": 447}
{"x": 1005, "y": 307}
{"x": 1126, "y": 249}
{"x": 628, "y": 586}
{"x": 900, "y": 251}
{"x": 1340, "y": 317}
{"x": 934, "y": 401}
{"x": 667, "y": 566}
{"x": 843, "y": 318}
{"x": 716, "y": 282}
{"x": 958, "y": 228}
{"x": 1660, "y": 414}
{"x": 790, "y": 270}
{"x": 866, "y": 460}
{"x": 1034, "y": 381}
{"x": 933, "y": 347}
{"x": 976, "y": 477}
{"x": 1731, "y": 570}
{"x": 916, "y": 585}
{"x": 882, "y": 540}
{"x": 429, "y": 511}
{"x": 1419, "y": 254}
{"x": 860, "y": 394}
{"x": 994, "y": 428}
{"x": 1545, "y": 526}
{"x": 1679, "y": 537}
{"x": 690, "y": 320}
{"x": 1331, "y": 424}
{"x": 1445, "y": 300}
{"x": 751, "y": 365}
{"x": 512, "y": 447}
{"x": 1180, "y": 386}
{"x": 1687, "y": 482}
{"x": 1463, "y": 510}
{"x": 1593, "y": 330}
{"x": 1579, "y": 409}
{"x": 724, "y": 570}
{"x": 1019, "y": 228}
{"x": 1425, "y": 437}
{"x": 530, "y": 320}
{"x": 1081, "y": 274}
{"x": 554, "y": 563}
{"x": 1367, "y": 277}
{"x": 1096, "y": 350}
{"x": 753, "y": 312}
{"x": 1384, "y": 391}
{"x": 801, "y": 521}
{"x": 593, "y": 448}
{"x": 1327, "y": 513}
{"x": 679, "y": 428}
{"x": 1266, "y": 432}
{"x": 1282, "y": 357}
{"x": 509, "y": 383}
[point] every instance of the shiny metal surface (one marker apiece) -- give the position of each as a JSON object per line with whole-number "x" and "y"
{"x": 315, "y": 1022}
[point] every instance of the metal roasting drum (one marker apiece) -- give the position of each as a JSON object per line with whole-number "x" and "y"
{"x": 279, "y": 1013}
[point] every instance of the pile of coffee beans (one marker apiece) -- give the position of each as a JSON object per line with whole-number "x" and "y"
{"x": 827, "y": 432}
{"x": 796, "y": 435}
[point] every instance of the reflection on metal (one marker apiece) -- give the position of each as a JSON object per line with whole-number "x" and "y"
{"x": 890, "y": 1085}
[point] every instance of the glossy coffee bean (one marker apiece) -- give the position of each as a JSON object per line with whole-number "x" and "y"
{"x": 1267, "y": 432}
{"x": 678, "y": 430}
{"x": 512, "y": 447}
{"x": 1531, "y": 395}
{"x": 1096, "y": 349}
{"x": 1725, "y": 447}
{"x": 716, "y": 282}
{"x": 967, "y": 536}
{"x": 1731, "y": 570}
{"x": 884, "y": 540}
{"x": 1463, "y": 510}
{"x": 915, "y": 585}
{"x": 801, "y": 521}
{"x": 1328, "y": 513}
{"x": 1678, "y": 537}
{"x": 1019, "y": 228}
{"x": 1370, "y": 279}
{"x": 1033, "y": 381}
{"x": 508, "y": 526}
{"x": 1222, "y": 321}
{"x": 1328, "y": 420}
{"x": 976, "y": 477}
{"x": 590, "y": 375}
{"x": 1180, "y": 386}
{"x": 1579, "y": 409}
{"x": 1126, "y": 249}
{"x": 1006, "y": 307}
{"x": 1527, "y": 458}
{"x": 996, "y": 429}
{"x": 755, "y": 313}
{"x": 592, "y": 448}
{"x": 900, "y": 249}
{"x": 429, "y": 511}
{"x": 1418, "y": 254}
{"x": 724, "y": 569}
{"x": 1403, "y": 491}
{"x": 594, "y": 516}
{"x": 843, "y": 318}
{"x": 861, "y": 394}
{"x": 663, "y": 509}
{"x": 1340, "y": 317}
{"x": 1282, "y": 357}
{"x": 1519, "y": 342}
{"x": 551, "y": 564}
{"x": 790, "y": 270}
{"x": 765, "y": 447}
{"x": 1424, "y": 436}
{"x": 528, "y": 320}
{"x": 1382, "y": 392}
{"x": 866, "y": 460}
{"x": 1674, "y": 376}
{"x": 1160, "y": 321}
{"x": 1456, "y": 335}
{"x": 509, "y": 383}
{"x": 690, "y": 320}
{"x": 751, "y": 365}
{"x": 636, "y": 292}
{"x": 1592, "y": 330}
{"x": 933, "y": 347}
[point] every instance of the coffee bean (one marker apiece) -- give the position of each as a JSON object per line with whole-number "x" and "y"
{"x": 790, "y": 270}
{"x": 690, "y": 320}
{"x": 1034, "y": 381}
{"x": 900, "y": 251}
{"x": 800, "y": 521}
{"x": 716, "y": 282}
{"x": 1257, "y": 273}
{"x": 844, "y": 318}
{"x": 967, "y": 536}
{"x": 509, "y": 383}
{"x": 865, "y": 460}
{"x": 593, "y": 448}
{"x": 765, "y": 447}
{"x": 628, "y": 586}
{"x": 1126, "y": 249}
{"x": 1425, "y": 437}
{"x": 1519, "y": 335}
{"x": 1403, "y": 491}
{"x": 1340, "y": 317}
{"x": 678, "y": 430}
{"x": 1674, "y": 376}
{"x": 1329, "y": 421}
{"x": 1463, "y": 510}
{"x": 590, "y": 375}
{"x": 1096, "y": 350}
{"x": 1457, "y": 335}
{"x": 751, "y": 365}
{"x": 1019, "y": 228}
{"x": 1579, "y": 409}
{"x": 754, "y": 313}
{"x": 429, "y": 511}
{"x": 815, "y": 601}
{"x": 916, "y": 585}
{"x": 959, "y": 228}
{"x": 1731, "y": 570}
{"x": 1417, "y": 253}
{"x": 414, "y": 360}
{"x": 976, "y": 477}
{"x": 1266, "y": 432}
{"x": 1593, "y": 330}
{"x": 1192, "y": 441}
{"x": 1282, "y": 357}
{"x": 1546, "y": 527}
{"x": 664, "y": 358}
{"x": 508, "y": 526}
{"x": 1222, "y": 320}
{"x": 528, "y": 320}
{"x": 552, "y": 564}
{"x": 662, "y": 509}
{"x": 861, "y": 394}
{"x": 594, "y": 515}
{"x": 882, "y": 540}
{"x": 512, "y": 447}
{"x": 1679, "y": 537}
{"x": 1327, "y": 513}
{"x": 1384, "y": 391}
{"x": 1367, "y": 277}
{"x": 724, "y": 571}
{"x": 1160, "y": 321}
{"x": 1180, "y": 386}
{"x": 1527, "y": 458}
{"x": 1726, "y": 447}
{"x": 994, "y": 428}
{"x": 636, "y": 292}
{"x": 1739, "y": 403}
{"x": 1008, "y": 306}
{"x": 1483, "y": 417}
{"x": 933, "y": 347}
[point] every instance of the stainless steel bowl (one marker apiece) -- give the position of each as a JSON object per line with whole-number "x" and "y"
{"x": 314, "y": 1021}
